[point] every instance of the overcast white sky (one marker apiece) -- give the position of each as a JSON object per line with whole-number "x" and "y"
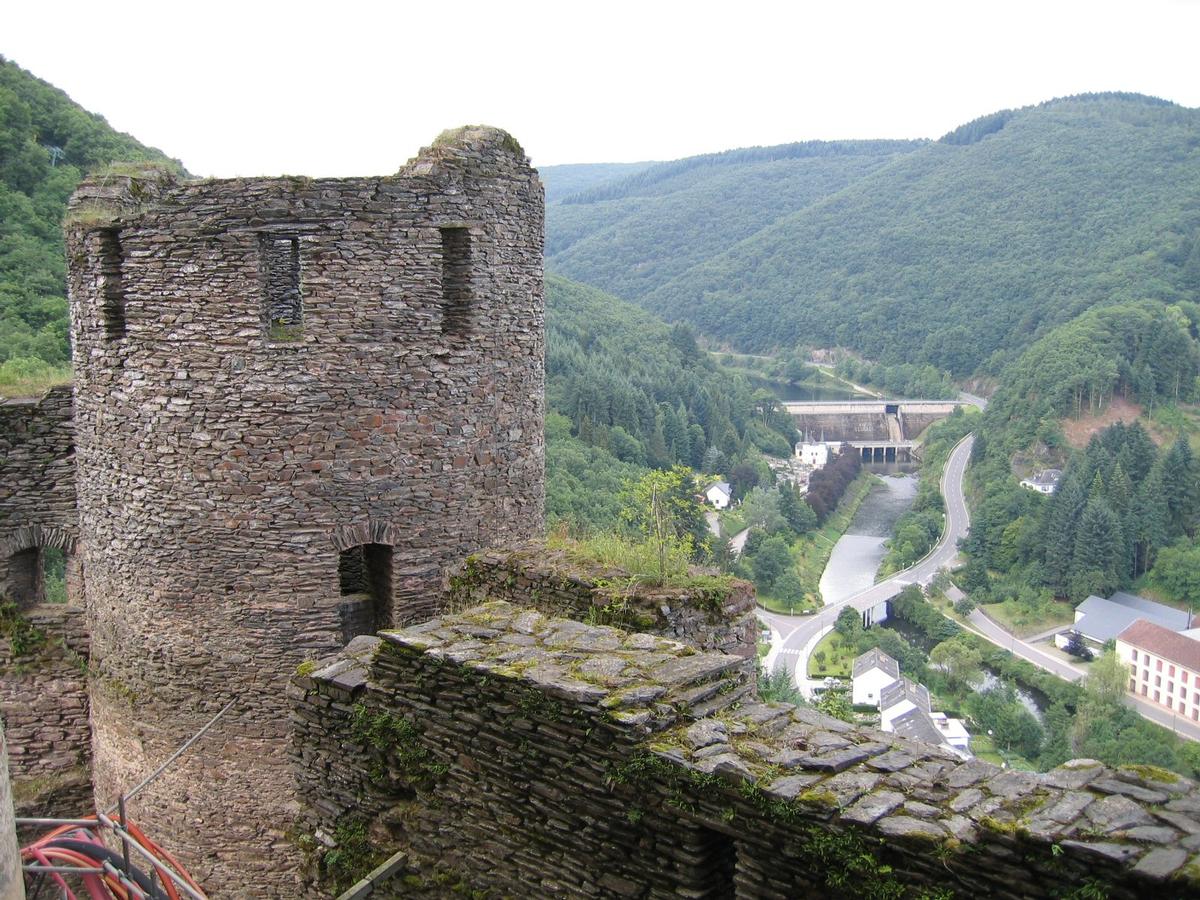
{"x": 347, "y": 88}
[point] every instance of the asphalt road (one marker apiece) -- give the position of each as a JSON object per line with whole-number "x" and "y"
{"x": 1043, "y": 660}
{"x": 798, "y": 635}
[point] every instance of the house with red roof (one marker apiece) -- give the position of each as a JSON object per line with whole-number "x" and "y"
{"x": 1164, "y": 666}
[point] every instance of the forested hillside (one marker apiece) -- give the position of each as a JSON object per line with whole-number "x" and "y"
{"x": 946, "y": 254}
{"x": 1122, "y": 499}
{"x": 626, "y": 391}
{"x": 634, "y": 234}
{"x": 568, "y": 180}
{"x": 47, "y": 143}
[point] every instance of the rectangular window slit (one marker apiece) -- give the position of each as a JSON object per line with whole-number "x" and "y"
{"x": 284, "y": 302}
{"x": 112, "y": 308}
{"x": 456, "y": 281}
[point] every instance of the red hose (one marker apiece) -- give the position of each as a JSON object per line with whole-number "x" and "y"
{"x": 106, "y": 886}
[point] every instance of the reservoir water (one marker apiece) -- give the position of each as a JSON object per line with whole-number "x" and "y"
{"x": 856, "y": 556}
{"x": 805, "y": 392}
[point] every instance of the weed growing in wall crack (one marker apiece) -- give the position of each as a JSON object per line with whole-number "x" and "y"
{"x": 399, "y": 741}
{"x": 25, "y": 638}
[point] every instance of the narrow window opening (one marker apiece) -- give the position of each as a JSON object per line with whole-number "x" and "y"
{"x": 54, "y": 575}
{"x": 26, "y": 581}
{"x": 365, "y": 585}
{"x": 112, "y": 306}
{"x": 719, "y": 855}
{"x": 456, "y": 281}
{"x": 284, "y": 300}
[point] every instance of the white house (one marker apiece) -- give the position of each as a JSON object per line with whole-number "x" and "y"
{"x": 719, "y": 494}
{"x": 933, "y": 728}
{"x": 1044, "y": 482}
{"x": 900, "y": 697}
{"x": 814, "y": 456}
{"x": 872, "y": 672}
{"x": 1164, "y": 667}
{"x": 954, "y": 732}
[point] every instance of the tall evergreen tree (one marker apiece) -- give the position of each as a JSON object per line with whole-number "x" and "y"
{"x": 1150, "y": 519}
{"x": 1180, "y": 488}
{"x": 1058, "y": 535}
{"x": 1098, "y": 548}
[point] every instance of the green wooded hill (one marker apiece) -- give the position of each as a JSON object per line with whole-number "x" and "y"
{"x": 568, "y": 180}
{"x": 634, "y": 234}
{"x": 47, "y": 143}
{"x": 941, "y": 252}
{"x": 626, "y": 391}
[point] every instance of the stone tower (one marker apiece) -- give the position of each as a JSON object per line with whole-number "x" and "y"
{"x": 296, "y": 400}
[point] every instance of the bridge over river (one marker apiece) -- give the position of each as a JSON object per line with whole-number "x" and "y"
{"x": 882, "y": 430}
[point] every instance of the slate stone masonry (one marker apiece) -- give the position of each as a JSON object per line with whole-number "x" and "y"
{"x": 536, "y": 756}
{"x": 265, "y": 380}
{"x": 708, "y": 618}
{"x": 37, "y": 491}
{"x": 44, "y": 702}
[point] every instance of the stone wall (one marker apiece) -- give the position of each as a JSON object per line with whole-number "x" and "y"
{"x": 37, "y": 492}
{"x": 271, "y": 373}
{"x": 719, "y": 616}
{"x": 517, "y": 754}
{"x": 44, "y": 703}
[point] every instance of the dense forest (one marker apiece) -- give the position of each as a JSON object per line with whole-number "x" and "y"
{"x": 47, "y": 143}
{"x": 1122, "y": 499}
{"x": 568, "y": 180}
{"x": 627, "y": 391}
{"x": 956, "y": 253}
{"x": 635, "y": 234}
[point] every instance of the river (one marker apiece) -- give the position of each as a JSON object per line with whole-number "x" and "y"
{"x": 856, "y": 556}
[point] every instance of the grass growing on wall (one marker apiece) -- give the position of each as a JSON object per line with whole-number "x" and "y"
{"x": 23, "y": 377}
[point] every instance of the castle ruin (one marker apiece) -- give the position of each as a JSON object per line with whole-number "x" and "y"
{"x": 302, "y": 408}
{"x": 296, "y": 400}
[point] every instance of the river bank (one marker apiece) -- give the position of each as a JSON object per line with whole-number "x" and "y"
{"x": 855, "y": 559}
{"x": 811, "y": 552}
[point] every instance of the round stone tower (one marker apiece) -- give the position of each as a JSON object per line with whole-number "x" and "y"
{"x": 296, "y": 401}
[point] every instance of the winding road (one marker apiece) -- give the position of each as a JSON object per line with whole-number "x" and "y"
{"x": 793, "y": 637}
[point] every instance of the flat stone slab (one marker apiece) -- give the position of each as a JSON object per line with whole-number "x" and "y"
{"x": 891, "y": 761}
{"x": 790, "y": 786}
{"x": 1137, "y": 792}
{"x": 1115, "y": 812}
{"x": 873, "y": 807}
{"x": 910, "y": 828}
{"x": 1161, "y": 862}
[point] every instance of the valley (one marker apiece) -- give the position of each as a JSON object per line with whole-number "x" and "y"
{"x": 929, "y": 400}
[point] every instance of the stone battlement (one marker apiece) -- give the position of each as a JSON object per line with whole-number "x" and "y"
{"x": 568, "y": 759}
{"x": 719, "y": 616}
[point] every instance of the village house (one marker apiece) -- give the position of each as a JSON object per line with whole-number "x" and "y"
{"x": 719, "y": 494}
{"x": 904, "y": 705}
{"x": 1044, "y": 482}
{"x": 872, "y": 672}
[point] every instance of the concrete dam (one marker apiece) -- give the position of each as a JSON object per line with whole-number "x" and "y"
{"x": 882, "y": 430}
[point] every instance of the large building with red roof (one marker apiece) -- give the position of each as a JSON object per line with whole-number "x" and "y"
{"x": 1164, "y": 666}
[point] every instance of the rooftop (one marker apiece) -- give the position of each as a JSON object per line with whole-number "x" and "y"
{"x": 918, "y": 725}
{"x": 904, "y": 689}
{"x": 1163, "y": 642}
{"x": 876, "y": 659}
{"x": 1102, "y": 620}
